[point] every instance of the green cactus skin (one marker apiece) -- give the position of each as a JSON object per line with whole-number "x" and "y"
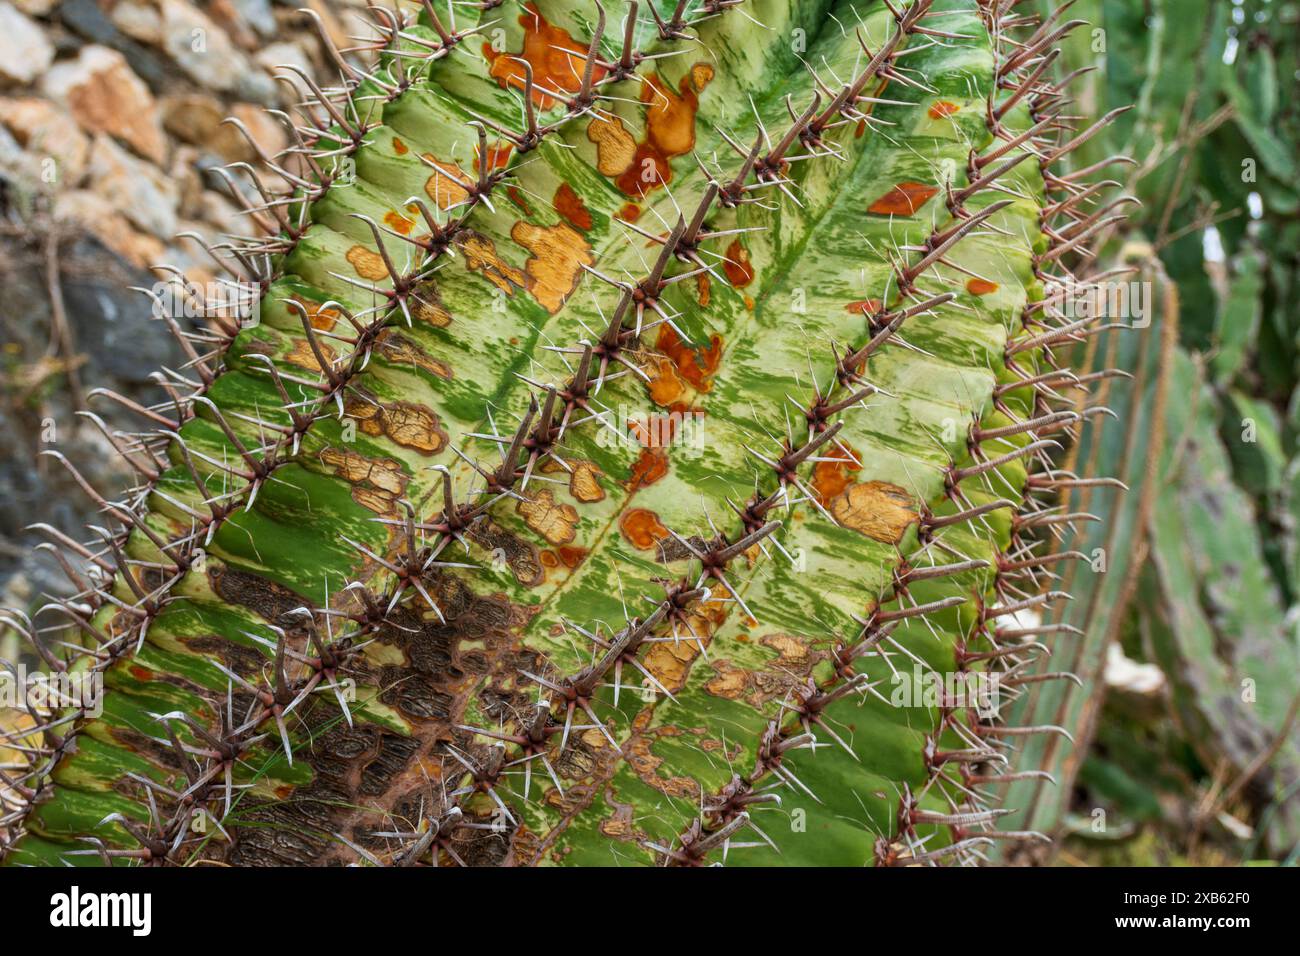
{"x": 356, "y": 577}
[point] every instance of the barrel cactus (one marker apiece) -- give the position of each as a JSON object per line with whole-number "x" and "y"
{"x": 640, "y": 452}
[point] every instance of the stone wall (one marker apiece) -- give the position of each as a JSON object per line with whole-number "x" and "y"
{"x": 110, "y": 137}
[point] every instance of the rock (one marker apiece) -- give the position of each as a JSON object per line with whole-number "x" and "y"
{"x": 184, "y": 173}
{"x": 221, "y": 215}
{"x": 200, "y": 48}
{"x": 257, "y": 14}
{"x": 197, "y": 118}
{"x": 137, "y": 190}
{"x": 115, "y": 343}
{"x": 86, "y": 19}
{"x": 20, "y": 183}
{"x": 271, "y": 58}
{"x": 24, "y": 52}
{"x": 140, "y": 21}
{"x": 201, "y": 120}
{"x": 45, "y": 131}
{"x": 95, "y": 214}
{"x": 35, "y": 8}
{"x": 247, "y": 21}
{"x": 259, "y": 88}
{"x": 104, "y": 96}
{"x": 189, "y": 257}
{"x": 265, "y": 130}
{"x": 111, "y": 323}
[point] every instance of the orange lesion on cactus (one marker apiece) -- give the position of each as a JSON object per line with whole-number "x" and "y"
{"x": 670, "y": 661}
{"x": 774, "y": 679}
{"x": 665, "y": 385}
{"x": 880, "y": 510}
{"x": 570, "y": 205}
{"x": 377, "y": 483}
{"x": 481, "y": 257}
{"x": 941, "y": 108}
{"x": 553, "y": 520}
{"x": 670, "y": 130}
{"x": 367, "y": 264}
{"x": 426, "y": 306}
{"x": 444, "y": 185}
{"x": 981, "y": 287}
{"x": 584, "y": 478}
{"x": 703, "y": 289}
{"x": 400, "y": 223}
{"x": 615, "y": 146}
{"x": 694, "y": 365}
{"x": 558, "y": 254}
{"x": 830, "y": 478}
{"x": 903, "y": 200}
{"x": 556, "y": 57}
{"x": 640, "y": 749}
{"x": 584, "y": 483}
{"x": 301, "y": 355}
{"x": 571, "y": 557}
{"x": 498, "y": 156}
{"x": 729, "y": 682}
{"x": 400, "y": 148}
{"x": 406, "y": 423}
{"x": 649, "y": 467}
{"x": 321, "y": 319}
{"x": 866, "y": 307}
{"x": 642, "y": 528}
{"x": 739, "y": 270}
{"x": 517, "y": 197}
{"x": 629, "y": 212}
{"x": 658, "y": 430}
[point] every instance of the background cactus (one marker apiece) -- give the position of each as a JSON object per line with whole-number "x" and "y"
{"x": 630, "y": 404}
{"x": 1213, "y": 606}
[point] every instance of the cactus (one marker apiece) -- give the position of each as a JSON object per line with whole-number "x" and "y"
{"x": 1120, "y": 483}
{"x": 638, "y": 419}
{"x": 1210, "y": 136}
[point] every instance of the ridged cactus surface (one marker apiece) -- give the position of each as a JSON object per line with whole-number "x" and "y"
{"x": 631, "y": 399}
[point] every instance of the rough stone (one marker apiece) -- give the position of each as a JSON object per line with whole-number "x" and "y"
{"x": 36, "y": 8}
{"x": 269, "y": 134}
{"x": 247, "y": 21}
{"x": 137, "y": 190}
{"x": 91, "y": 212}
{"x": 197, "y": 118}
{"x": 112, "y": 324}
{"x": 273, "y": 57}
{"x": 200, "y": 48}
{"x": 104, "y": 96}
{"x": 87, "y": 20}
{"x": 24, "y": 52}
{"x": 47, "y": 132}
{"x": 140, "y": 21}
